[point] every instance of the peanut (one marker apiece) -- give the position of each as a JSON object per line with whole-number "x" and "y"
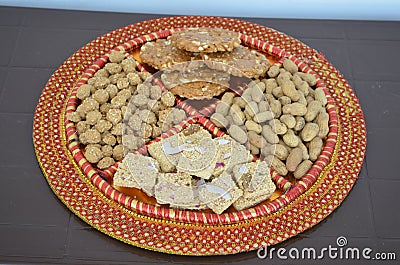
{"x": 239, "y": 101}
{"x": 269, "y": 135}
{"x": 277, "y": 92}
{"x": 294, "y": 159}
{"x": 303, "y": 148}
{"x": 276, "y": 108}
{"x": 238, "y": 134}
{"x": 300, "y": 84}
{"x": 256, "y": 139}
{"x": 302, "y": 98}
{"x": 247, "y": 116}
{"x": 290, "y": 138}
{"x": 270, "y": 84}
{"x": 309, "y": 99}
{"x": 278, "y": 127}
{"x": 222, "y": 108}
{"x": 254, "y": 150}
{"x": 253, "y": 126}
{"x": 290, "y": 66}
{"x": 313, "y": 109}
{"x": 273, "y": 71}
{"x": 279, "y": 166}
{"x": 311, "y": 92}
{"x": 315, "y": 148}
{"x": 295, "y": 109}
{"x": 219, "y": 120}
{"x": 267, "y": 149}
{"x": 282, "y": 77}
{"x": 320, "y": 96}
{"x": 289, "y": 90}
{"x": 309, "y": 131}
{"x": 228, "y": 98}
{"x": 256, "y": 93}
{"x": 323, "y": 124}
{"x": 237, "y": 115}
{"x": 302, "y": 169}
{"x": 284, "y": 100}
{"x": 261, "y": 86}
{"x": 281, "y": 152}
{"x": 269, "y": 97}
{"x": 263, "y": 116}
{"x": 263, "y": 106}
{"x": 281, "y": 142}
{"x": 300, "y": 122}
{"x": 252, "y": 108}
{"x": 309, "y": 78}
{"x": 288, "y": 120}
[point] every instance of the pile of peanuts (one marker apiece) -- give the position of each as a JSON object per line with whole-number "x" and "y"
{"x": 281, "y": 118}
{"x": 99, "y": 117}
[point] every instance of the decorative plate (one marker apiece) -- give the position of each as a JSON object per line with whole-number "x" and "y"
{"x": 88, "y": 192}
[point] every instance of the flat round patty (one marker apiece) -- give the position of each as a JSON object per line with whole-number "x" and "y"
{"x": 161, "y": 54}
{"x": 199, "y": 90}
{"x": 205, "y": 40}
{"x": 250, "y": 62}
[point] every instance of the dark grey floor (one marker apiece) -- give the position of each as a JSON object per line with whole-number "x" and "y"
{"x": 36, "y": 228}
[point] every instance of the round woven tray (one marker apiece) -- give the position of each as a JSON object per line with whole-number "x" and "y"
{"x": 85, "y": 191}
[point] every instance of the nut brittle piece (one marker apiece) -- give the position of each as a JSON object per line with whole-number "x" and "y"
{"x": 137, "y": 171}
{"x": 199, "y": 90}
{"x": 220, "y": 193}
{"x": 161, "y": 54}
{"x": 255, "y": 182}
{"x": 176, "y": 190}
{"x": 205, "y": 39}
{"x": 229, "y": 154}
{"x": 156, "y": 150}
{"x": 250, "y": 62}
{"x": 195, "y": 79}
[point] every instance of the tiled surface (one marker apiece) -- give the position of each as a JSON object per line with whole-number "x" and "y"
{"x": 19, "y": 86}
{"x": 16, "y": 140}
{"x": 49, "y": 47}
{"x": 384, "y": 193}
{"x": 338, "y": 56}
{"x": 381, "y": 97}
{"x": 36, "y": 228}
{"x": 304, "y": 28}
{"x": 63, "y": 19}
{"x": 372, "y": 30}
{"x": 32, "y": 242}
{"x": 8, "y": 41}
{"x": 10, "y": 16}
{"x": 3, "y": 73}
{"x": 382, "y": 153}
{"x": 375, "y": 60}
{"x": 26, "y": 198}
{"x": 347, "y": 218}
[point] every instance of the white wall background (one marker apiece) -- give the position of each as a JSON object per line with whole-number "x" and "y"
{"x": 308, "y": 9}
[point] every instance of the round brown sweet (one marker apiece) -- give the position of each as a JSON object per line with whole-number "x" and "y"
{"x": 199, "y": 90}
{"x": 205, "y": 40}
{"x": 251, "y": 63}
{"x": 161, "y": 54}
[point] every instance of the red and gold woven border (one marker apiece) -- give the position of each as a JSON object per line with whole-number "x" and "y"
{"x": 79, "y": 194}
{"x": 99, "y": 178}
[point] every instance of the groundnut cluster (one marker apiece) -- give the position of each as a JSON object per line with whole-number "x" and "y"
{"x": 282, "y": 118}
{"x": 102, "y": 103}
